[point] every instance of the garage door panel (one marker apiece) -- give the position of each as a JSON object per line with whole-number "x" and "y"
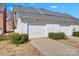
{"x": 37, "y": 30}
{"x": 66, "y": 29}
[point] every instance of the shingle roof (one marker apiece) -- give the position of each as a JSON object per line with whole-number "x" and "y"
{"x": 38, "y": 11}
{"x": 25, "y": 12}
{"x": 1, "y": 10}
{"x": 2, "y": 7}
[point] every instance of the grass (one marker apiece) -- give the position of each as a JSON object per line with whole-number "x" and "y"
{"x": 25, "y": 49}
{"x": 6, "y": 48}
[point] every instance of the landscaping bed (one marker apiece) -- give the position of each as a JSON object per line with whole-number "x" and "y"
{"x": 73, "y": 43}
{"x": 72, "y": 40}
{"x": 26, "y": 49}
{"x": 75, "y": 34}
{"x": 14, "y": 44}
{"x": 61, "y": 37}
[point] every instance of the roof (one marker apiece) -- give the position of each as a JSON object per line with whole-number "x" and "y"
{"x": 2, "y": 7}
{"x": 25, "y": 12}
{"x": 55, "y": 19}
{"x": 1, "y": 10}
{"x": 38, "y": 11}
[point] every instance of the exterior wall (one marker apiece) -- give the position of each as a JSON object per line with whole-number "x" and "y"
{"x": 9, "y": 25}
{"x": 57, "y": 28}
{"x": 1, "y": 22}
{"x": 3, "y": 19}
{"x": 75, "y": 27}
{"x": 21, "y": 27}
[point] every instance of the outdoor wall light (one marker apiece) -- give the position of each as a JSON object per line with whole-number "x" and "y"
{"x": 37, "y": 19}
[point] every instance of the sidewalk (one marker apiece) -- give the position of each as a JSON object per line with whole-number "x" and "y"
{"x": 50, "y": 47}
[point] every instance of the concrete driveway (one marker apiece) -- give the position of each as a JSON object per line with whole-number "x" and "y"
{"x": 51, "y": 47}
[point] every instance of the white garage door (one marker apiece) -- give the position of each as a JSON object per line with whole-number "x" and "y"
{"x": 66, "y": 29}
{"x": 37, "y": 30}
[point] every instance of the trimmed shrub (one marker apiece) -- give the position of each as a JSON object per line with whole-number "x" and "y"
{"x": 75, "y": 34}
{"x": 24, "y": 38}
{"x": 59, "y": 35}
{"x": 51, "y": 35}
{"x": 16, "y": 38}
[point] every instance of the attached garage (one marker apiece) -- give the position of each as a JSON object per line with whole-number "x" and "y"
{"x": 34, "y": 28}
{"x": 38, "y": 25}
{"x": 41, "y": 28}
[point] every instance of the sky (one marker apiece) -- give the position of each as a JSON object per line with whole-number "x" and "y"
{"x": 69, "y": 8}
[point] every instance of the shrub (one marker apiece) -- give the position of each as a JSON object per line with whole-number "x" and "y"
{"x": 16, "y": 38}
{"x": 59, "y": 35}
{"x": 51, "y": 35}
{"x": 75, "y": 34}
{"x": 24, "y": 38}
